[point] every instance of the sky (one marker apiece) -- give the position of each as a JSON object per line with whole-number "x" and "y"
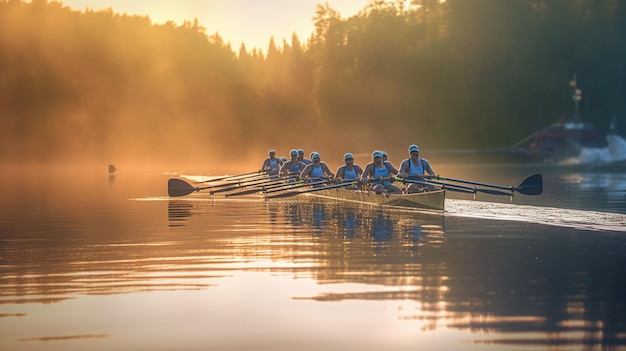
{"x": 252, "y": 22}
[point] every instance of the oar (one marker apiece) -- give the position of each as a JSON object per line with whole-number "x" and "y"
{"x": 242, "y": 180}
{"x": 295, "y": 186}
{"x": 451, "y": 187}
{"x": 238, "y": 182}
{"x": 179, "y": 187}
{"x": 292, "y": 193}
{"x": 241, "y": 185}
{"x": 290, "y": 180}
{"x": 262, "y": 187}
{"x": 532, "y": 185}
{"x": 457, "y": 187}
{"x": 288, "y": 185}
{"x": 233, "y": 177}
{"x": 283, "y": 184}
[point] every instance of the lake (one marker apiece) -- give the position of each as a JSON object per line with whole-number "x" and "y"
{"x": 90, "y": 261}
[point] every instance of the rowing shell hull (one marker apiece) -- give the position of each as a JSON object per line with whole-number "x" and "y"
{"x": 431, "y": 200}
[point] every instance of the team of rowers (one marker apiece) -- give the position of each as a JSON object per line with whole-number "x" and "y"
{"x": 378, "y": 175}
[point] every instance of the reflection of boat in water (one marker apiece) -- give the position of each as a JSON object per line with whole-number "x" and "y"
{"x": 357, "y": 220}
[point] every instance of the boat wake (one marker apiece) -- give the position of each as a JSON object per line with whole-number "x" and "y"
{"x": 613, "y": 153}
{"x": 578, "y": 219}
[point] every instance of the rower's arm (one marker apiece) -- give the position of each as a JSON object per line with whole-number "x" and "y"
{"x": 306, "y": 172}
{"x": 428, "y": 168}
{"x": 403, "y": 172}
{"x": 330, "y": 174}
{"x": 358, "y": 170}
{"x": 340, "y": 172}
{"x": 367, "y": 172}
{"x": 266, "y": 165}
{"x": 284, "y": 168}
{"x": 391, "y": 168}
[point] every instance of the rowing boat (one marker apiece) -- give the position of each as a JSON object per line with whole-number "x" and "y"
{"x": 431, "y": 200}
{"x": 428, "y": 200}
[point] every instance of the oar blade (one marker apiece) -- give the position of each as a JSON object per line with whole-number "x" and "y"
{"x": 178, "y": 187}
{"x": 532, "y": 185}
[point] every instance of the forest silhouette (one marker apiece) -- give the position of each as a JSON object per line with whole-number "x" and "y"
{"x": 100, "y": 85}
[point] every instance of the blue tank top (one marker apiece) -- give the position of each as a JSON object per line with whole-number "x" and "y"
{"x": 317, "y": 172}
{"x": 381, "y": 172}
{"x": 349, "y": 174}
{"x": 294, "y": 167}
{"x": 274, "y": 164}
{"x": 414, "y": 171}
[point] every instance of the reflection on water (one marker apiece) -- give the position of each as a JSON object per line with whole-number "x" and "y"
{"x": 608, "y": 189}
{"x": 205, "y": 273}
{"x": 178, "y": 212}
{"x": 490, "y": 278}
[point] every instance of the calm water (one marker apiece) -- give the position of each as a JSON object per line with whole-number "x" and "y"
{"x": 92, "y": 262}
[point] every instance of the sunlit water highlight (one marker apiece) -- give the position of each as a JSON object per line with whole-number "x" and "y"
{"x": 571, "y": 218}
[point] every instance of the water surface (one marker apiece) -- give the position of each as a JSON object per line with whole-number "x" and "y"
{"x": 96, "y": 262}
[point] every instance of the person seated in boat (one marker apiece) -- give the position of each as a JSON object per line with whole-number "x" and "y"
{"x": 380, "y": 175}
{"x": 301, "y": 158}
{"x": 316, "y": 170}
{"x": 272, "y": 164}
{"x": 349, "y": 171}
{"x": 293, "y": 167}
{"x": 414, "y": 168}
{"x": 385, "y": 157}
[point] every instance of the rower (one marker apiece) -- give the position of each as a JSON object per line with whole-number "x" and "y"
{"x": 272, "y": 164}
{"x": 378, "y": 174}
{"x": 316, "y": 169}
{"x": 385, "y": 156}
{"x": 293, "y": 166}
{"x": 348, "y": 171}
{"x": 415, "y": 168}
{"x": 301, "y": 158}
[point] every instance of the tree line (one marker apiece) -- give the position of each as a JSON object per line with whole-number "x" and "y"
{"x": 452, "y": 74}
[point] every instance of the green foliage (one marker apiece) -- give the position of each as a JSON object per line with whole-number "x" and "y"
{"x": 451, "y": 74}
